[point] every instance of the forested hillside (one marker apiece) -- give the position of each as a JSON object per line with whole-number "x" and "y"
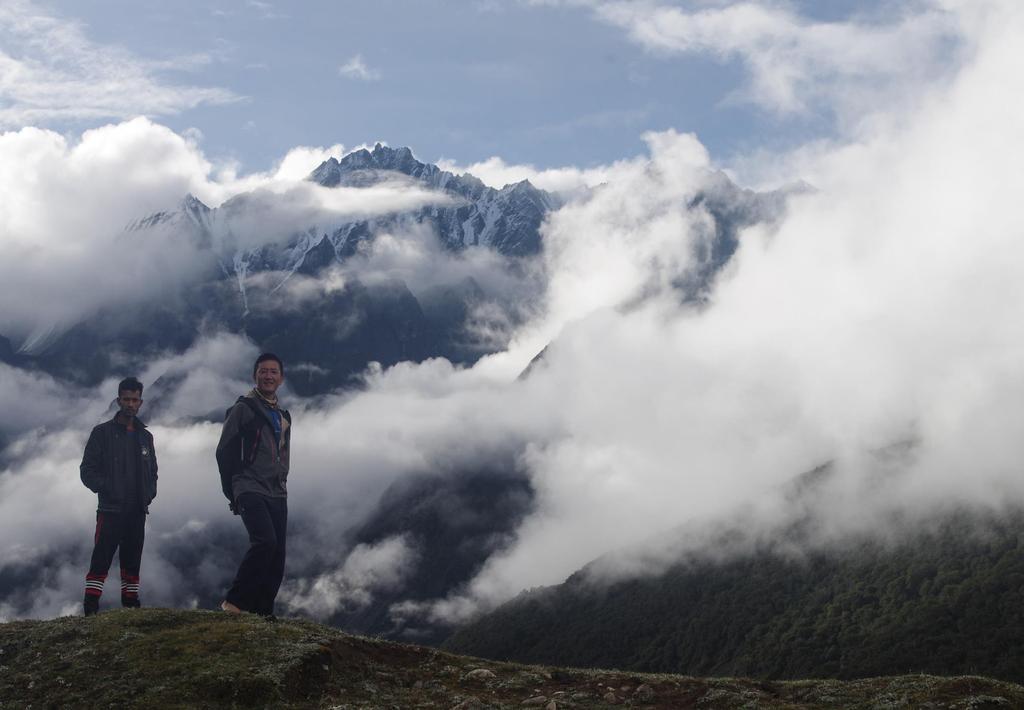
{"x": 948, "y": 600}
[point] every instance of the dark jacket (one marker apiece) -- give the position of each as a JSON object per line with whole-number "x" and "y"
{"x": 249, "y": 457}
{"x": 105, "y": 470}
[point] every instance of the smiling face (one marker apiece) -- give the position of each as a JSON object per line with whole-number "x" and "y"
{"x": 268, "y": 377}
{"x": 129, "y": 401}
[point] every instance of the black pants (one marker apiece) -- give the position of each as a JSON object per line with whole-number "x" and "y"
{"x": 262, "y": 569}
{"x": 124, "y": 531}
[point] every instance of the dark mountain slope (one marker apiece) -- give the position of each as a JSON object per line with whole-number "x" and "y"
{"x": 455, "y": 522}
{"x": 949, "y": 600}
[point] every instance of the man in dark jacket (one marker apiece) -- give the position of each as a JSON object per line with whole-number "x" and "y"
{"x": 253, "y": 456}
{"x": 119, "y": 464}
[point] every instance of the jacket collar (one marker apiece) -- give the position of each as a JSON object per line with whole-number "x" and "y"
{"x": 139, "y": 424}
{"x": 262, "y": 407}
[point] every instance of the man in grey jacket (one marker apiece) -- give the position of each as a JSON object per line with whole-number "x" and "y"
{"x": 119, "y": 465}
{"x": 252, "y": 456}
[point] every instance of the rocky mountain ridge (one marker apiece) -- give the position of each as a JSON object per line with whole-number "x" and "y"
{"x": 506, "y": 220}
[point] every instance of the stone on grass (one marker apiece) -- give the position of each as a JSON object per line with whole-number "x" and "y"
{"x": 481, "y": 674}
{"x": 644, "y": 693}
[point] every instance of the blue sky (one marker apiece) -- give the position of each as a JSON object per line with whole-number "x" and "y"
{"x": 544, "y": 83}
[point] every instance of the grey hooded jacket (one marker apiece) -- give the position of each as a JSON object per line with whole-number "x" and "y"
{"x": 249, "y": 456}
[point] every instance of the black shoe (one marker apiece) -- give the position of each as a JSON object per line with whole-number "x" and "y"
{"x": 130, "y": 603}
{"x": 91, "y": 606}
{"x": 270, "y": 618}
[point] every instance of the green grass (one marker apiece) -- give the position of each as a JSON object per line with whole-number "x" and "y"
{"x": 160, "y": 658}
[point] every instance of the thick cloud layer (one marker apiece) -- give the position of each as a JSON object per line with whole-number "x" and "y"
{"x": 882, "y": 310}
{"x": 568, "y": 182}
{"x": 67, "y": 205}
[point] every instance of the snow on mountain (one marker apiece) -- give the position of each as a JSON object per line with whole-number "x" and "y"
{"x": 191, "y": 216}
{"x": 252, "y": 257}
{"x": 507, "y": 220}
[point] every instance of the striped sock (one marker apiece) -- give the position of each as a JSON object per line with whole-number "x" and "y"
{"x": 129, "y": 589}
{"x": 94, "y": 584}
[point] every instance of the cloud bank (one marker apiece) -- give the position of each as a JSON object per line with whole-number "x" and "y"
{"x": 58, "y": 266}
{"x": 882, "y": 309}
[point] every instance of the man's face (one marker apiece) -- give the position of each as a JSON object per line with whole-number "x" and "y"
{"x": 129, "y": 401}
{"x": 268, "y": 377}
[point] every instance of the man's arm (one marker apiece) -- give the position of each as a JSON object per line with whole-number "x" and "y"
{"x": 152, "y": 452}
{"x": 229, "y": 449}
{"x": 92, "y": 462}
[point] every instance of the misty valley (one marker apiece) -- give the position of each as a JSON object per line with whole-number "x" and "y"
{"x": 439, "y": 503}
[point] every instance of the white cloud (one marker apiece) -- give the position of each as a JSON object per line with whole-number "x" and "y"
{"x": 640, "y": 235}
{"x": 67, "y": 206}
{"x": 356, "y": 68}
{"x": 366, "y": 570}
{"x": 412, "y": 254}
{"x": 569, "y": 182}
{"x": 67, "y": 203}
{"x": 299, "y": 162}
{"x": 206, "y": 378}
{"x": 42, "y": 402}
{"x": 266, "y": 10}
{"x": 883, "y": 309}
{"x": 280, "y": 210}
{"x": 496, "y": 173}
{"x": 489, "y": 6}
{"x": 797, "y": 64}
{"x": 51, "y": 72}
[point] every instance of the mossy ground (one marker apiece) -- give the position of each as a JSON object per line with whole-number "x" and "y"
{"x": 160, "y": 658}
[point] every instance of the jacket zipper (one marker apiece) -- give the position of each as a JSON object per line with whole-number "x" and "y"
{"x": 256, "y": 445}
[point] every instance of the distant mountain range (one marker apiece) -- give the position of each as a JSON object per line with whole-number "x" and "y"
{"x": 332, "y": 338}
{"x": 336, "y": 335}
{"x": 506, "y": 220}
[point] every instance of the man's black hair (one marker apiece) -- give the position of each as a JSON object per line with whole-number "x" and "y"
{"x": 263, "y": 358}
{"x": 129, "y": 384}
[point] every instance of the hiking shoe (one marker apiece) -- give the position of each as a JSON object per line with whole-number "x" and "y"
{"x": 91, "y": 607}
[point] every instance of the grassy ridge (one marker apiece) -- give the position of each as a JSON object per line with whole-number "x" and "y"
{"x": 193, "y": 659}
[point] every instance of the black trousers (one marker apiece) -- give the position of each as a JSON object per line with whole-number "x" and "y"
{"x": 262, "y": 569}
{"x": 116, "y": 531}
